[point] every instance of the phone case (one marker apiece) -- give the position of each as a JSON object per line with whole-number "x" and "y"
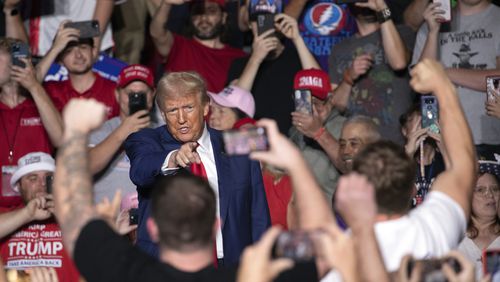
{"x": 19, "y": 50}
{"x": 493, "y": 88}
{"x": 136, "y": 102}
{"x": 430, "y": 113}
{"x": 446, "y": 7}
{"x": 265, "y": 22}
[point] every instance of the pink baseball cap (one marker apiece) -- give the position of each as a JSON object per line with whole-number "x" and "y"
{"x": 135, "y": 72}
{"x": 315, "y": 80}
{"x": 235, "y": 97}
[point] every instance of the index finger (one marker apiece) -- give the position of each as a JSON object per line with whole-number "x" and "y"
{"x": 266, "y": 242}
{"x": 266, "y": 33}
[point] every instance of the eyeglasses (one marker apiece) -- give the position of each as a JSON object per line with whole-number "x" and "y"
{"x": 482, "y": 190}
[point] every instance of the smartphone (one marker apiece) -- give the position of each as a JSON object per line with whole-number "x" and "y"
{"x": 133, "y": 216}
{"x": 88, "y": 29}
{"x": 446, "y": 7}
{"x": 493, "y": 88}
{"x": 303, "y": 103}
{"x": 244, "y": 141}
{"x": 431, "y": 268}
{"x": 19, "y": 50}
{"x": 430, "y": 113}
{"x": 265, "y": 22}
{"x": 296, "y": 245}
{"x": 49, "y": 180}
{"x": 136, "y": 102}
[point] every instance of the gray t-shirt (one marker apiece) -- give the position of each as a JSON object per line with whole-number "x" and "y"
{"x": 325, "y": 172}
{"x": 382, "y": 94}
{"x": 116, "y": 175}
{"x": 473, "y": 42}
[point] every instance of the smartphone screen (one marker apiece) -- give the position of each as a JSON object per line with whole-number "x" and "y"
{"x": 430, "y": 112}
{"x": 303, "y": 103}
{"x": 446, "y": 7}
{"x": 19, "y": 50}
{"x": 245, "y": 141}
{"x": 88, "y": 29}
{"x": 136, "y": 102}
{"x": 493, "y": 88}
{"x": 296, "y": 245}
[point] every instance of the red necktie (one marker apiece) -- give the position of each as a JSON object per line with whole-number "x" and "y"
{"x": 198, "y": 169}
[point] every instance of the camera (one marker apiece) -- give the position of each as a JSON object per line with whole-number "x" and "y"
{"x": 296, "y": 245}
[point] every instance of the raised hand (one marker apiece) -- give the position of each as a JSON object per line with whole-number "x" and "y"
{"x": 25, "y": 76}
{"x": 64, "y": 35}
{"x": 432, "y": 16}
{"x": 287, "y": 26}
{"x": 360, "y": 66}
{"x": 256, "y": 264}
{"x": 134, "y": 123}
{"x": 83, "y": 115}
{"x": 263, "y": 44}
{"x": 428, "y": 76}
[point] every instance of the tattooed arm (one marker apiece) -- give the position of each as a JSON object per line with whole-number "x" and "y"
{"x": 73, "y": 194}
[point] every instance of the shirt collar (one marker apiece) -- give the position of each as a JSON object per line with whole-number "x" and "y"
{"x": 204, "y": 141}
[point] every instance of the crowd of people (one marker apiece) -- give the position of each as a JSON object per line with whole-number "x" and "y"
{"x": 378, "y": 156}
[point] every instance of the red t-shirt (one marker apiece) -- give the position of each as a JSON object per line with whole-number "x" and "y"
{"x": 278, "y": 196}
{"x": 22, "y": 131}
{"x": 103, "y": 90}
{"x": 38, "y": 244}
{"x": 212, "y": 64}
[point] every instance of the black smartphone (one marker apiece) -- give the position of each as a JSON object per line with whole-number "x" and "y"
{"x": 244, "y": 141}
{"x": 265, "y": 22}
{"x": 49, "y": 180}
{"x": 296, "y": 245}
{"x": 303, "y": 102}
{"x": 430, "y": 113}
{"x": 19, "y": 50}
{"x": 493, "y": 88}
{"x": 133, "y": 216}
{"x": 431, "y": 268}
{"x": 491, "y": 262}
{"x": 137, "y": 101}
{"x": 88, "y": 29}
{"x": 350, "y": 1}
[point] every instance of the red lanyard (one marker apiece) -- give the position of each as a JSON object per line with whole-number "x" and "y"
{"x": 13, "y": 143}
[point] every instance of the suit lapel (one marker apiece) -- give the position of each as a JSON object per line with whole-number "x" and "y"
{"x": 222, "y": 165}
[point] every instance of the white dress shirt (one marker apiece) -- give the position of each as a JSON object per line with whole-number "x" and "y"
{"x": 206, "y": 153}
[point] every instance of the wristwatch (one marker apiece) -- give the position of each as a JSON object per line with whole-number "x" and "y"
{"x": 383, "y": 15}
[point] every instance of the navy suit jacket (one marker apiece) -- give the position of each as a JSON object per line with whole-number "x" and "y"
{"x": 244, "y": 213}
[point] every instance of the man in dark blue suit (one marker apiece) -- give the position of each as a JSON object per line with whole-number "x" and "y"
{"x": 186, "y": 142}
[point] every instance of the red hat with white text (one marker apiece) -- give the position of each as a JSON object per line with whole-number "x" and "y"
{"x": 135, "y": 73}
{"x": 317, "y": 81}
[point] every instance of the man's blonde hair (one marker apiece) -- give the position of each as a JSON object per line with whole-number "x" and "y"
{"x": 181, "y": 84}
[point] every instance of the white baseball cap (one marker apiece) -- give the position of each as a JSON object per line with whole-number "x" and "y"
{"x": 29, "y": 163}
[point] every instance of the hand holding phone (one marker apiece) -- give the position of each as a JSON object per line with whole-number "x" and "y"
{"x": 446, "y": 8}
{"x": 296, "y": 245}
{"x": 245, "y": 141}
{"x": 19, "y": 50}
{"x": 303, "y": 101}
{"x": 493, "y": 88}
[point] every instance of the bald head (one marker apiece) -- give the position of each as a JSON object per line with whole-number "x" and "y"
{"x": 358, "y": 131}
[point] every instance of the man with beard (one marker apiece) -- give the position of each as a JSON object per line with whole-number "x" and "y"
{"x": 204, "y": 52}
{"x": 370, "y": 68}
{"x": 77, "y": 55}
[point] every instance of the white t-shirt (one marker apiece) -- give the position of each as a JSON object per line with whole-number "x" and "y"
{"x": 431, "y": 230}
{"x": 42, "y": 30}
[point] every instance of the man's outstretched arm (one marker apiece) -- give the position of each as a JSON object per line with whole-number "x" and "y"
{"x": 73, "y": 181}
{"x": 459, "y": 178}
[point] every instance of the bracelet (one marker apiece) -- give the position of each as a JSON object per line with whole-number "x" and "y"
{"x": 347, "y": 78}
{"x": 318, "y": 133}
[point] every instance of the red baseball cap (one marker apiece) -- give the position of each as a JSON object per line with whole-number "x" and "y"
{"x": 315, "y": 80}
{"x": 133, "y": 73}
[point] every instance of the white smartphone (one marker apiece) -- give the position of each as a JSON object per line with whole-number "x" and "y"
{"x": 446, "y": 7}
